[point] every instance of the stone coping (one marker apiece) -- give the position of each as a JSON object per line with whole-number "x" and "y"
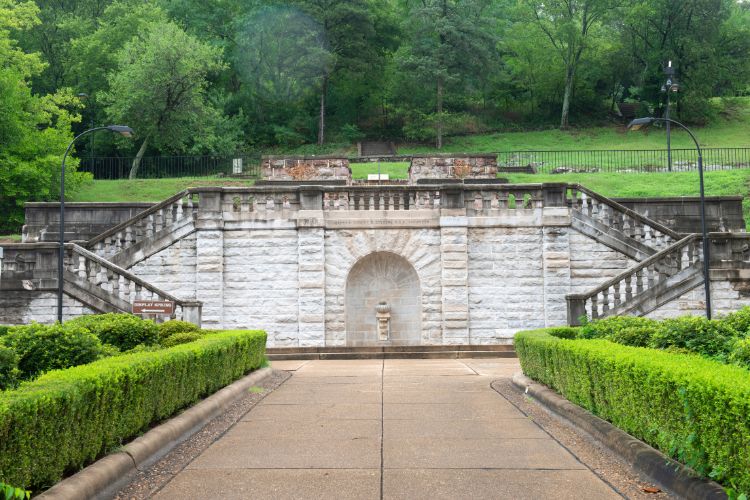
{"x": 305, "y": 157}
{"x": 677, "y": 198}
{"x": 91, "y": 204}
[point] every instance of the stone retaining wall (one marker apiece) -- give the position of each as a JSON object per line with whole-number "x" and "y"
{"x": 305, "y": 168}
{"x": 454, "y": 166}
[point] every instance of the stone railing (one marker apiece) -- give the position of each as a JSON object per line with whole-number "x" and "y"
{"x": 281, "y": 202}
{"x": 614, "y": 296}
{"x": 613, "y": 215}
{"x": 116, "y": 286}
{"x": 163, "y": 216}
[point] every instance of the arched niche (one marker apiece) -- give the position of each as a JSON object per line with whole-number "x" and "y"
{"x": 383, "y": 276}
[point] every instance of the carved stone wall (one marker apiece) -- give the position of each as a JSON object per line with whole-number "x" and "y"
{"x": 305, "y": 168}
{"x": 455, "y": 166}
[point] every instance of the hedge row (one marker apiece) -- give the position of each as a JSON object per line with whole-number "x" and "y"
{"x": 691, "y": 408}
{"x": 65, "y": 419}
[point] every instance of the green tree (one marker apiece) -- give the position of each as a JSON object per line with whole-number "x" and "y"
{"x": 448, "y": 41}
{"x": 160, "y": 88}
{"x": 34, "y": 130}
{"x": 572, "y": 27}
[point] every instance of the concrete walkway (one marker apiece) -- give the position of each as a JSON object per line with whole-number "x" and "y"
{"x": 387, "y": 429}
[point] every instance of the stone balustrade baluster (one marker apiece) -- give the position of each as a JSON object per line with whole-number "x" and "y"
{"x": 594, "y": 307}
{"x": 138, "y": 292}
{"x": 639, "y": 282}
{"x": 650, "y": 275}
{"x": 605, "y": 301}
{"x": 149, "y": 226}
{"x": 371, "y": 200}
{"x": 616, "y": 299}
{"x": 629, "y": 288}
{"x": 178, "y": 213}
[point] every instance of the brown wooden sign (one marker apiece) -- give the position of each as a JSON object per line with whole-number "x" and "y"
{"x": 153, "y": 307}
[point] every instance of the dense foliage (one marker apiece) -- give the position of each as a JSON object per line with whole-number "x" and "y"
{"x": 725, "y": 339}
{"x": 124, "y": 331}
{"x": 40, "y": 348}
{"x": 298, "y": 71}
{"x": 67, "y": 418}
{"x": 691, "y": 408}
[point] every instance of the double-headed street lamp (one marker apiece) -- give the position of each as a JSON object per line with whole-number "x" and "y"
{"x": 639, "y": 123}
{"x": 123, "y": 130}
{"x": 669, "y": 86}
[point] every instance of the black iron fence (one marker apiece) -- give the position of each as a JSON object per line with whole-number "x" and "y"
{"x": 154, "y": 167}
{"x": 642, "y": 160}
{"x": 583, "y": 161}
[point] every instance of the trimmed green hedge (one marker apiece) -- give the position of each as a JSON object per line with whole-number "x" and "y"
{"x": 65, "y": 419}
{"x": 691, "y": 408}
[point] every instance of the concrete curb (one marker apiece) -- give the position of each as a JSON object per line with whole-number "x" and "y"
{"x": 105, "y": 476}
{"x": 657, "y": 466}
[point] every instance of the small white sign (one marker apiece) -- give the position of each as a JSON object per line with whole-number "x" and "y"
{"x": 376, "y": 177}
{"x": 237, "y": 165}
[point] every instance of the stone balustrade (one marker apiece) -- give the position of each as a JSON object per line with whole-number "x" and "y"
{"x": 162, "y": 217}
{"x": 614, "y": 296}
{"x": 619, "y": 218}
{"x": 275, "y": 202}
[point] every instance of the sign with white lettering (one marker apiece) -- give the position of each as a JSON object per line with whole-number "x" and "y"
{"x": 153, "y": 307}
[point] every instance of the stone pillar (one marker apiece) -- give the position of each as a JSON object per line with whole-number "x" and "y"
{"x": 556, "y": 272}
{"x": 312, "y": 295}
{"x": 209, "y": 258}
{"x": 455, "y": 278}
{"x": 191, "y": 312}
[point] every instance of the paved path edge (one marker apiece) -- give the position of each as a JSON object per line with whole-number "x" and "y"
{"x": 105, "y": 476}
{"x": 649, "y": 461}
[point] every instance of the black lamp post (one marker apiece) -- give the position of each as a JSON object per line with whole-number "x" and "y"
{"x": 670, "y": 85}
{"x": 119, "y": 129}
{"x": 639, "y": 123}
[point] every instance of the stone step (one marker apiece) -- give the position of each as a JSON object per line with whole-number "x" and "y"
{"x": 403, "y": 352}
{"x": 391, "y": 348}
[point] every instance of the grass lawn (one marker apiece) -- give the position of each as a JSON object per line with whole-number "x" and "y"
{"x": 395, "y": 170}
{"x": 147, "y": 189}
{"x": 10, "y": 238}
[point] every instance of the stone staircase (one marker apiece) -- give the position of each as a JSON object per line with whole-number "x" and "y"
{"x": 106, "y": 287}
{"x": 668, "y": 265}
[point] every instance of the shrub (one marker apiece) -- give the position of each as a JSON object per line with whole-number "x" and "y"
{"x": 694, "y": 409}
{"x": 740, "y": 354}
{"x": 41, "y": 348}
{"x": 635, "y": 336}
{"x": 4, "y": 329}
{"x": 121, "y": 330}
{"x": 605, "y": 327}
{"x": 8, "y": 368}
{"x": 738, "y": 320}
{"x": 712, "y": 338}
{"x": 563, "y": 332}
{"x": 169, "y": 328}
{"x": 181, "y": 338}
{"x": 68, "y": 418}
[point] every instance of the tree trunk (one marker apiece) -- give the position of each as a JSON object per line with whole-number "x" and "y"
{"x": 439, "y": 123}
{"x": 322, "y": 122}
{"x": 137, "y": 159}
{"x": 566, "y": 97}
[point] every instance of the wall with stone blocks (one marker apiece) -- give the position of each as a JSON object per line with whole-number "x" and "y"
{"x": 19, "y": 307}
{"x": 725, "y": 298}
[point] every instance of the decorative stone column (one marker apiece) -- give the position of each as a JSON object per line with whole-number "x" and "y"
{"x": 312, "y": 281}
{"x": 455, "y": 277}
{"x": 556, "y": 271}
{"x": 209, "y": 258}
